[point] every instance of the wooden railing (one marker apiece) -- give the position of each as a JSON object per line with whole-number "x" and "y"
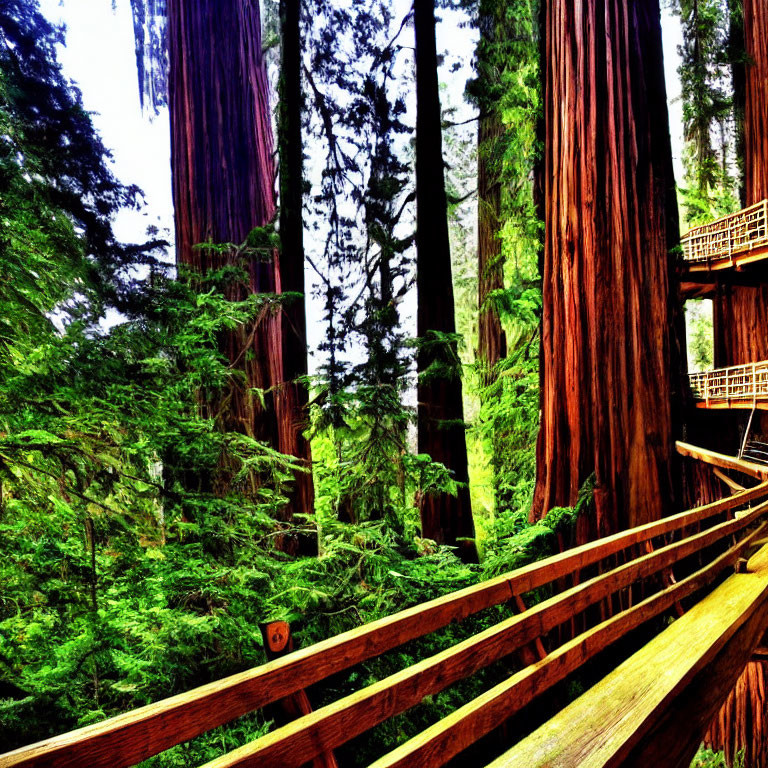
{"x": 726, "y": 237}
{"x": 629, "y": 574}
{"x": 743, "y": 384}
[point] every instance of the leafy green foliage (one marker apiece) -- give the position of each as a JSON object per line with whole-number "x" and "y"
{"x": 706, "y": 758}
{"x": 698, "y": 319}
{"x": 708, "y": 109}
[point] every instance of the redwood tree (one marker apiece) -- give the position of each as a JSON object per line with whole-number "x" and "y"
{"x": 293, "y": 393}
{"x": 491, "y": 339}
{"x": 223, "y": 173}
{"x": 223, "y": 187}
{"x": 444, "y": 517}
{"x": 608, "y": 362}
{"x": 741, "y": 312}
{"x": 741, "y": 332}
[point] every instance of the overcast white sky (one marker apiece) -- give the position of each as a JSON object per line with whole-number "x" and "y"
{"x": 99, "y": 56}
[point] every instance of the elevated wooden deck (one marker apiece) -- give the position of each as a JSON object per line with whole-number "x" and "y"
{"x": 633, "y": 716}
{"x": 603, "y": 591}
{"x": 731, "y": 242}
{"x": 740, "y": 386}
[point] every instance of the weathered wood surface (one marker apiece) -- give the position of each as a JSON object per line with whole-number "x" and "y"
{"x": 722, "y": 460}
{"x": 134, "y": 736}
{"x": 730, "y": 482}
{"x": 327, "y": 728}
{"x": 442, "y": 741}
{"x": 630, "y": 716}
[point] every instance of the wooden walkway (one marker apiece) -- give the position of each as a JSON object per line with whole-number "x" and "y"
{"x": 603, "y": 591}
{"x": 730, "y": 242}
{"x": 740, "y": 386}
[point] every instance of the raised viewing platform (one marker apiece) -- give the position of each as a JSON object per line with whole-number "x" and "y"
{"x": 730, "y": 242}
{"x": 697, "y": 581}
{"x": 739, "y": 386}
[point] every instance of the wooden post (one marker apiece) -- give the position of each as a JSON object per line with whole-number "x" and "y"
{"x": 278, "y": 641}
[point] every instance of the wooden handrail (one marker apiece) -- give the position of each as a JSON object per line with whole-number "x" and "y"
{"x": 337, "y": 723}
{"x": 722, "y": 238}
{"x": 722, "y": 461}
{"x": 132, "y": 737}
{"x": 438, "y": 744}
{"x": 746, "y": 384}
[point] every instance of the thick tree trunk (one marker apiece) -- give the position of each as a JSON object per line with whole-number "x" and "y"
{"x": 223, "y": 186}
{"x": 223, "y": 172}
{"x": 741, "y": 312}
{"x": 293, "y": 395}
{"x": 444, "y": 517}
{"x": 610, "y": 365}
{"x": 741, "y": 336}
{"x": 491, "y": 339}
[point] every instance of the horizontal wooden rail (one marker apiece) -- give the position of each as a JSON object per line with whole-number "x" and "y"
{"x": 745, "y": 385}
{"x": 337, "y": 723}
{"x": 438, "y": 744}
{"x": 722, "y": 461}
{"x": 632, "y": 717}
{"x": 725, "y": 238}
{"x": 132, "y": 737}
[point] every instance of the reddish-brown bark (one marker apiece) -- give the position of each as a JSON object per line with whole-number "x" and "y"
{"x": 741, "y": 312}
{"x": 223, "y": 187}
{"x": 221, "y": 154}
{"x": 741, "y": 336}
{"x": 444, "y": 517}
{"x": 293, "y": 394}
{"x": 608, "y": 357}
{"x": 491, "y": 339}
{"x": 741, "y": 724}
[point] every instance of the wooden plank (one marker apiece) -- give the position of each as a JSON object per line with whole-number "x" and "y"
{"x": 134, "y": 736}
{"x": 721, "y": 460}
{"x": 438, "y": 744}
{"x": 734, "y": 404}
{"x": 723, "y": 263}
{"x": 732, "y": 484}
{"x": 622, "y": 714}
{"x": 337, "y": 723}
{"x": 670, "y": 744}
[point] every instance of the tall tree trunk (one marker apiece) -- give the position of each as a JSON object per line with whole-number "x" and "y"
{"x": 293, "y": 395}
{"x": 741, "y": 312}
{"x": 736, "y": 51}
{"x": 491, "y": 339}
{"x": 610, "y": 362}
{"x": 223, "y": 186}
{"x": 444, "y": 517}
{"x": 741, "y": 329}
